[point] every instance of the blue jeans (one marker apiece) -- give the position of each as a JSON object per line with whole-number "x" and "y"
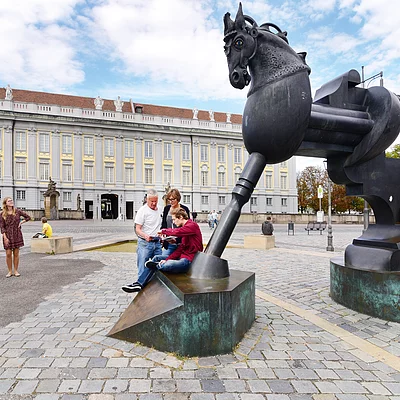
{"x": 145, "y": 251}
{"x": 171, "y": 248}
{"x": 172, "y": 266}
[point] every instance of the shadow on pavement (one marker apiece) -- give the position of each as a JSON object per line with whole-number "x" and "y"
{"x": 41, "y": 275}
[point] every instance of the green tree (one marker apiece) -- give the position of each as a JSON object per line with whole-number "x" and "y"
{"x": 395, "y": 152}
{"x": 308, "y": 181}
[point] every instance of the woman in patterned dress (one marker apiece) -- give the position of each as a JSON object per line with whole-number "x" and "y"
{"x": 11, "y": 220}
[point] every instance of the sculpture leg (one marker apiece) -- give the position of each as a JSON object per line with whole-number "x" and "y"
{"x": 208, "y": 264}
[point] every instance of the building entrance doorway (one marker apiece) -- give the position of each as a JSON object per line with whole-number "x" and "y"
{"x": 88, "y": 209}
{"x": 129, "y": 210}
{"x": 109, "y": 206}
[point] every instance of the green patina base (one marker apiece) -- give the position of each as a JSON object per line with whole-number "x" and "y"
{"x": 190, "y": 317}
{"x": 376, "y": 293}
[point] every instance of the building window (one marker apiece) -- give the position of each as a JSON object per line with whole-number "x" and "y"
{"x": 89, "y": 173}
{"x": 20, "y": 194}
{"x": 185, "y": 152}
{"x": 67, "y": 144}
{"x": 44, "y": 171}
{"x": 221, "y": 154}
{"x": 129, "y": 174}
{"x": 204, "y": 178}
{"x": 20, "y": 141}
{"x": 67, "y": 196}
{"x": 67, "y": 172}
{"x": 109, "y": 174}
{"x": 148, "y": 149}
{"x": 20, "y": 170}
{"x": 1, "y": 170}
{"x": 167, "y": 151}
{"x": 222, "y": 200}
{"x": 269, "y": 201}
{"x": 221, "y": 179}
{"x": 148, "y": 175}
{"x": 268, "y": 180}
{"x": 128, "y": 148}
{"x": 238, "y": 155}
{"x": 109, "y": 147}
{"x": 44, "y": 142}
{"x": 283, "y": 181}
{"x": 88, "y": 146}
{"x": 284, "y": 202}
{"x": 186, "y": 177}
{"x": 204, "y": 152}
{"x": 186, "y": 198}
{"x": 139, "y": 109}
{"x": 253, "y": 201}
{"x": 167, "y": 175}
{"x": 204, "y": 200}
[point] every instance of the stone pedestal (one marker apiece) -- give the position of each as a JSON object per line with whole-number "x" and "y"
{"x": 264, "y": 242}
{"x": 53, "y": 245}
{"x": 373, "y": 292}
{"x": 191, "y": 317}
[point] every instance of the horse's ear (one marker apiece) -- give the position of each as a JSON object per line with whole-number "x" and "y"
{"x": 228, "y": 23}
{"x": 303, "y": 55}
{"x": 240, "y": 22}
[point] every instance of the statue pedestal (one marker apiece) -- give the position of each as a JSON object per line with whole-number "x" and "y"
{"x": 373, "y": 292}
{"x": 263, "y": 242}
{"x": 191, "y": 317}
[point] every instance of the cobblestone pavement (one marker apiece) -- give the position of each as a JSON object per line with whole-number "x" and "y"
{"x": 302, "y": 345}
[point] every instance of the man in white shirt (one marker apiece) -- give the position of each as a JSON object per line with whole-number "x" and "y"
{"x": 147, "y": 224}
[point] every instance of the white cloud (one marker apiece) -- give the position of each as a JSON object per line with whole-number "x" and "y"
{"x": 176, "y": 42}
{"x": 37, "y": 52}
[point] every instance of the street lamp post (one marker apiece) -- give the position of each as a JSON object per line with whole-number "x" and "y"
{"x": 329, "y": 247}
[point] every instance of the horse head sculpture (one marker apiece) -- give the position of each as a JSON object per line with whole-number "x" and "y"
{"x": 245, "y": 41}
{"x": 256, "y": 54}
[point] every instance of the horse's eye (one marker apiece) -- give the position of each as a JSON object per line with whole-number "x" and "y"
{"x": 238, "y": 43}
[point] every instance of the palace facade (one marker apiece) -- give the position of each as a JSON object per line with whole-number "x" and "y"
{"x": 109, "y": 152}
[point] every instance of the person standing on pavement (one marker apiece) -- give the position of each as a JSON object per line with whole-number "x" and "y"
{"x": 174, "y": 198}
{"x": 181, "y": 259}
{"x": 147, "y": 224}
{"x": 11, "y": 220}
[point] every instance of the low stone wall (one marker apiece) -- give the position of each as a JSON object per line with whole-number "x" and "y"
{"x": 62, "y": 214}
{"x": 296, "y": 218}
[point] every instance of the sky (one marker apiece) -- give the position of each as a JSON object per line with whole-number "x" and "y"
{"x": 171, "y": 52}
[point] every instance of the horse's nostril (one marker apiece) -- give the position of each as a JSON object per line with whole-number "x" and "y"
{"x": 235, "y": 76}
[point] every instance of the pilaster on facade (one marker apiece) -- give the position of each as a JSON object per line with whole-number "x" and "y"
{"x": 77, "y": 157}
{"x": 119, "y": 162}
{"x": 99, "y": 160}
{"x": 8, "y": 159}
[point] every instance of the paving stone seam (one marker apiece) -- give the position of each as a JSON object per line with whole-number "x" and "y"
{"x": 363, "y": 345}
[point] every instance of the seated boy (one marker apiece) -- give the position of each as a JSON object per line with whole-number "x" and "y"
{"x": 47, "y": 231}
{"x": 177, "y": 262}
{"x": 46, "y": 228}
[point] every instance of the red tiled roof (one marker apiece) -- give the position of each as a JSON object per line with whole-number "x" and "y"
{"x": 65, "y": 100}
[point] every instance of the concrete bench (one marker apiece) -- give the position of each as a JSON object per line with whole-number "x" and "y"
{"x": 53, "y": 245}
{"x": 264, "y": 242}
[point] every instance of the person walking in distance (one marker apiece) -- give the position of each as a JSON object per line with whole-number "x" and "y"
{"x": 11, "y": 220}
{"x": 147, "y": 224}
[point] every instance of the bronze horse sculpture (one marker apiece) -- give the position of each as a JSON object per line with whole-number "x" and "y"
{"x": 348, "y": 125}
{"x": 208, "y": 310}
